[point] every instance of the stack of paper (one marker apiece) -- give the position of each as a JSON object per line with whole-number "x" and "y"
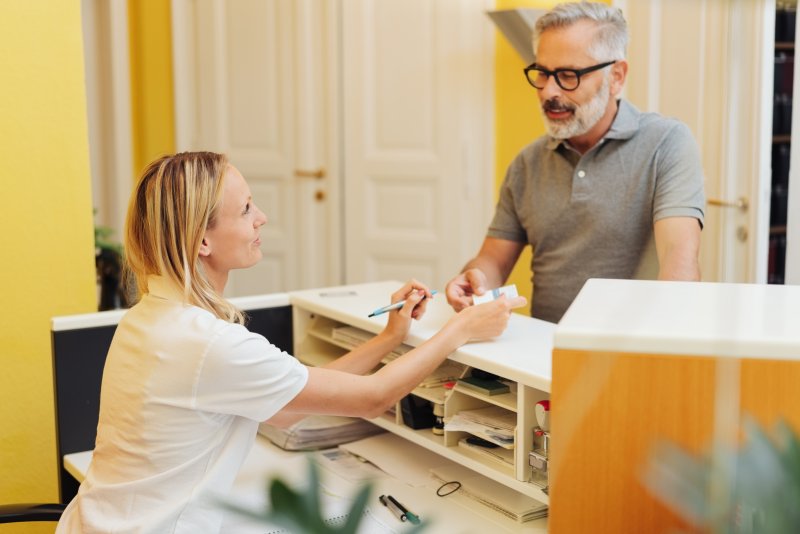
{"x": 498, "y": 454}
{"x": 318, "y": 432}
{"x": 352, "y": 337}
{"x": 492, "y": 423}
{"x": 491, "y": 493}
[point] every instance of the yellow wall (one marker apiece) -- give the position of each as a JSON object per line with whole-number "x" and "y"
{"x": 517, "y": 122}
{"x": 152, "y": 104}
{"x": 47, "y": 239}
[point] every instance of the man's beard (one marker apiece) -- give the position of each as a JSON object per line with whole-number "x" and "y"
{"x": 584, "y": 117}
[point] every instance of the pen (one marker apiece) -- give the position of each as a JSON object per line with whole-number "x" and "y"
{"x": 398, "y": 509}
{"x": 389, "y": 503}
{"x": 395, "y": 306}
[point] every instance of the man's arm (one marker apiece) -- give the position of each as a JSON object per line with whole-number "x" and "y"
{"x": 678, "y": 246}
{"x": 489, "y": 269}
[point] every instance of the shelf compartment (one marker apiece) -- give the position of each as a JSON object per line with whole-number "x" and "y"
{"x": 504, "y": 400}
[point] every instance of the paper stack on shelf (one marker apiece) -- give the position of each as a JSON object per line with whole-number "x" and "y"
{"x": 350, "y": 335}
{"x": 498, "y": 454}
{"x": 353, "y": 337}
{"x": 491, "y": 493}
{"x": 492, "y": 423}
{"x": 319, "y": 432}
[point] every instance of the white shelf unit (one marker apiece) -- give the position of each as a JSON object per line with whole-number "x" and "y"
{"x": 521, "y": 357}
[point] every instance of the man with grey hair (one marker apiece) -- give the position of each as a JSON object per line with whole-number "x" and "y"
{"x": 609, "y": 192}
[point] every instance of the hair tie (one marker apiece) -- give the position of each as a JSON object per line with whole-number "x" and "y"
{"x": 456, "y": 486}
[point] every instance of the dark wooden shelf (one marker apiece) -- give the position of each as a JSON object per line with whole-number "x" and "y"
{"x": 782, "y": 138}
{"x": 784, "y": 46}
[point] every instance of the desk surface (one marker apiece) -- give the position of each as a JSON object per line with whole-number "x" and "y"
{"x": 522, "y": 352}
{"x": 690, "y": 318}
{"x": 451, "y": 515}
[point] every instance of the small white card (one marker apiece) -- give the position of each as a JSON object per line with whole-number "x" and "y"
{"x": 509, "y": 291}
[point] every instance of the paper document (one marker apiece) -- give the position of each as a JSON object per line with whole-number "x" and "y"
{"x": 398, "y": 457}
{"x": 491, "y": 493}
{"x": 492, "y": 423}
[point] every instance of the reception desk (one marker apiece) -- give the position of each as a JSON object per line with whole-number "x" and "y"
{"x": 636, "y": 362}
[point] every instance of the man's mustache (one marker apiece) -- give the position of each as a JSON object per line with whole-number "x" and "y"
{"x": 556, "y": 105}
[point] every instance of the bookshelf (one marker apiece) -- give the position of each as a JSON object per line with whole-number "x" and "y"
{"x": 785, "y": 20}
{"x": 329, "y": 323}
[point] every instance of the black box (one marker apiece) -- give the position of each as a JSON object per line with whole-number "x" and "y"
{"x": 417, "y": 412}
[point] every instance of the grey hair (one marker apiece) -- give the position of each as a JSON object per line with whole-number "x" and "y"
{"x": 610, "y": 41}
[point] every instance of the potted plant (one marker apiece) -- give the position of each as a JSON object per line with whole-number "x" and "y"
{"x": 108, "y": 260}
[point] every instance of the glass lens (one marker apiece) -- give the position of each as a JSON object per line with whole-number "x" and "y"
{"x": 537, "y": 78}
{"x": 568, "y": 79}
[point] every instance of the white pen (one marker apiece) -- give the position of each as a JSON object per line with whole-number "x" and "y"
{"x": 395, "y": 306}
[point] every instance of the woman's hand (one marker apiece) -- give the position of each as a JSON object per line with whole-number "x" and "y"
{"x": 416, "y": 296}
{"x": 486, "y": 320}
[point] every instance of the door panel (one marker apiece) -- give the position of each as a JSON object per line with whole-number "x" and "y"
{"x": 363, "y": 128}
{"x": 408, "y": 107}
{"x": 241, "y": 59}
{"x": 715, "y": 75}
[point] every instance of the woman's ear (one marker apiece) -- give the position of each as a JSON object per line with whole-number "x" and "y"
{"x": 205, "y": 248}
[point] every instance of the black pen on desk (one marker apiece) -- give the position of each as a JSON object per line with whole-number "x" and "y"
{"x": 395, "y": 306}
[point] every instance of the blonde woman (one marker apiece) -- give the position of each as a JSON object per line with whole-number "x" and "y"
{"x": 185, "y": 384}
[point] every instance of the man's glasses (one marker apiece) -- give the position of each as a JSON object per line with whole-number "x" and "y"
{"x": 567, "y": 79}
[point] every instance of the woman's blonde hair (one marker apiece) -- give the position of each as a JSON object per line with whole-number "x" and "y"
{"x": 176, "y": 200}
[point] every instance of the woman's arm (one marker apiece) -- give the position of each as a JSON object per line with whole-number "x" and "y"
{"x": 330, "y": 391}
{"x": 366, "y": 357}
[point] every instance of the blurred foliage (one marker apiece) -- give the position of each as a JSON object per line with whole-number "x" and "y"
{"x": 301, "y": 512}
{"x": 754, "y": 488}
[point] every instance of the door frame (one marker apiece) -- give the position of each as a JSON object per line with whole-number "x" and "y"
{"x": 735, "y": 55}
{"x": 108, "y": 101}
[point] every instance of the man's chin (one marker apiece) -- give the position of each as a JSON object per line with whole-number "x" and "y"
{"x": 559, "y": 131}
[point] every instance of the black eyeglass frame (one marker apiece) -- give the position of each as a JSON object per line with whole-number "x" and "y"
{"x": 577, "y": 72}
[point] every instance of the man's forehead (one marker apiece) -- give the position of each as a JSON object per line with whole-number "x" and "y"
{"x": 566, "y": 46}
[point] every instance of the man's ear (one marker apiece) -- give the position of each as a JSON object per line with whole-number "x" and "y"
{"x": 205, "y": 248}
{"x": 619, "y": 72}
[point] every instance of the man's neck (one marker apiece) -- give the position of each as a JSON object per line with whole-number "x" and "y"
{"x": 583, "y": 143}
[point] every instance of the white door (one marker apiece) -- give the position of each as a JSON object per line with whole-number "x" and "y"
{"x": 709, "y": 63}
{"x": 373, "y": 157}
{"x": 418, "y": 138}
{"x": 250, "y": 77}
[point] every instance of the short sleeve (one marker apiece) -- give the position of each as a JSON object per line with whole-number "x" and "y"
{"x": 679, "y": 183}
{"x": 244, "y": 374}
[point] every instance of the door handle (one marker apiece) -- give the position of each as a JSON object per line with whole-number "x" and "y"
{"x": 740, "y": 203}
{"x": 319, "y": 174}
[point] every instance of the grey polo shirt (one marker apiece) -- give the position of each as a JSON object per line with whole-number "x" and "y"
{"x": 591, "y": 215}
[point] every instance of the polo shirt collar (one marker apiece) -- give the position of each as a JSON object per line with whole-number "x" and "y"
{"x": 625, "y": 125}
{"x": 163, "y": 287}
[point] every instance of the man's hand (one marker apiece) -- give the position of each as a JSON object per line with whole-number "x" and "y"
{"x": 460, "y": 289}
